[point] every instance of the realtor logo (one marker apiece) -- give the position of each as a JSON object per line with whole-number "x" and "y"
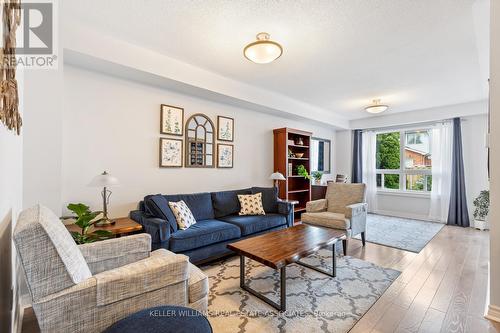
{"x": 37, "y": 29}
{"x": 36, "y": 36}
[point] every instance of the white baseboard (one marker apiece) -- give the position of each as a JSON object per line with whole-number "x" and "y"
{"x": 402, "y": 215}
{"x": 493, "y": 313}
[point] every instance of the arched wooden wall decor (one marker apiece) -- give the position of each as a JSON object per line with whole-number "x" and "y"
{"x": 9, "y": 98}
{"x": 200, "y": 142}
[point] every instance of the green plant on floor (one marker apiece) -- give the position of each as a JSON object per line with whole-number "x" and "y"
{"x": 482, "y": 205}
{"x": 85, "y": 218}
{"x": 302, "y": 171}
{"x": 317, "y": 175}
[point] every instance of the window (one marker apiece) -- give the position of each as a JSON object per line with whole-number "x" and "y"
{"x": 404, "y": 160}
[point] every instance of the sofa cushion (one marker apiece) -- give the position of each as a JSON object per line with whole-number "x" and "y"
{"x": 327, "y": 219}
{"x": 256, "y": 223}
{"x": 183, "y": 214}
{"x": 203, "y": 233}
{"x": 251, "y": 204}
{"x": 200, "y": 205}
{"x": 269, "y": 198}
{"x": 226, "y": 202}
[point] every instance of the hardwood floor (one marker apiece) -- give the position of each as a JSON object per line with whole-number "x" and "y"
{"x": 440, "y": 289}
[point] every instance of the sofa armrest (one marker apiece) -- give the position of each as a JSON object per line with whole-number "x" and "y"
{"x": 316, "y": 206}
{"x": 158, "y": 229}
{"x": 357, "y": 214}
{"x": 116, "y": 252}
{"x": 156, "y": 272}
{"x": 286, "y": 208}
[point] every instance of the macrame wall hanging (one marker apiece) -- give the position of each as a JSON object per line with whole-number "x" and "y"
{"x": 9, "y": 97}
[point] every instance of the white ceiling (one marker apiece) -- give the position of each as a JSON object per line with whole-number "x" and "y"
{"x": 338, "y": 55}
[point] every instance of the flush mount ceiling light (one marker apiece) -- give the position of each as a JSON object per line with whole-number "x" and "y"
{"x": 264, "y": 50}
{"x": 376, "y": 107}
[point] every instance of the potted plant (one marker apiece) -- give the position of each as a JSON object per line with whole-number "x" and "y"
{"x": 317, "y": 176}
{"x": 302, "y": 171}
{"x": 85, "y": 218}
{"x": 482, "y": 206}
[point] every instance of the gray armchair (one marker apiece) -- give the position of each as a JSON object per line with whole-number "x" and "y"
{"x": 343, "y": 208}
{"x": 87, "y": 288}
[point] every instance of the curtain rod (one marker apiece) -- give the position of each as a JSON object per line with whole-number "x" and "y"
{"x": 422, "y": 123}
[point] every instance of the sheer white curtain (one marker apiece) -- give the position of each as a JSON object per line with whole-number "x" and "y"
{"x": 441, "y": 149}
{"x": 369, "y": 168}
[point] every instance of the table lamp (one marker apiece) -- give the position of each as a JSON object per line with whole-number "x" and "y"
{"x": 104, "y": 180}
{"x": 277, "y": 176}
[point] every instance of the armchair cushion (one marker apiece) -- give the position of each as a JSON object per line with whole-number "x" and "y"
{"x": 269, "y": 198}
{"x": 158, "y": 271}
{"x": 327, "y": 219}
{"x": 116, "y": 252}
{"x": 341, "y": 195}
{"x": 250, "y": 224}
{"x": 316, "y": 206}
{"x": 203, "y": 233}
{"x": 49, "y": 255}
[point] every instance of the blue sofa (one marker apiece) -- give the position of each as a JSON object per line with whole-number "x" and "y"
{"x": 217, "y": 221}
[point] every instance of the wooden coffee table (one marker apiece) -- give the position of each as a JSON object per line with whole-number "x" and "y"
{"x": 280, "y": 248}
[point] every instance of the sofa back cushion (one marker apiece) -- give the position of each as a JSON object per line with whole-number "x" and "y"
{"x": 200, "y": 205}
{"x": 226, "y": 202}
{"x": 269, "y": 198}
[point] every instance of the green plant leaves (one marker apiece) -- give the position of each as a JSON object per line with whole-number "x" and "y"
{"x": 85, "y": 218}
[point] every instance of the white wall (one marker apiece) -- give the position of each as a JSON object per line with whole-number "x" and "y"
{"x": 494, "y": 216}
{"x": 474, "y": 129}
{"x": 113, "y": 124}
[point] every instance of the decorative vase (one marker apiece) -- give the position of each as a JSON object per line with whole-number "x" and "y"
{"x": 317, "y": 182}
{"x": 481, "y": 225}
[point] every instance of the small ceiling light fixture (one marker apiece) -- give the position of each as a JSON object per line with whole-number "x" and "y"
{"x": 376, "y": 107}
{"x": 264, "y": 50}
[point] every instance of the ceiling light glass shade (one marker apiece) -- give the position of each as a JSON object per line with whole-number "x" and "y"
{"x": 376, "y": 107}
{"x": 264, "y": 50}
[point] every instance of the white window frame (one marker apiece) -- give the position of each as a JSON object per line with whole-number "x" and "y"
{"x": 402, "y": 171}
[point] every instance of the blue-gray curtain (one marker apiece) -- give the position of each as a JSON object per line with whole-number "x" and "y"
{"x": 458, "y": 214}
{"x": 357, "y": 157}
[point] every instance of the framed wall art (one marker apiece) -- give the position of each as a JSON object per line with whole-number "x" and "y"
{"x": 172, "y": 120}
{"x": 225, "y": 156}
{"x": 225, "y": 128}
{"x": 170, "y": 153}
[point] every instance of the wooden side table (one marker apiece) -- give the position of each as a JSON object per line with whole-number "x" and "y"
{"x": 123, "y": 226}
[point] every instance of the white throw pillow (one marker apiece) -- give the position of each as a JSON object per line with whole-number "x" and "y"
{"x": 251, "y": 204}
{"x": 183, "y": 214}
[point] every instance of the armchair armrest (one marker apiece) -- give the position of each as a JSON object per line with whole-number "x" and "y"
{"x": 355, "y": 209}
{"x": 156, "y": 272}
{"x": 116, "y": 252}
{"x": 357, "y": 214}
{"x": 316, "y": 206}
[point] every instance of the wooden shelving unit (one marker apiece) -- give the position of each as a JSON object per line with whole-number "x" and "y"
{"x": 295, "y": 187}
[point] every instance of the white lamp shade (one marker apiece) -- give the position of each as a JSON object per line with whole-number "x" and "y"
{"x": 277, "y": 176}
{"x": 104, "y": 180}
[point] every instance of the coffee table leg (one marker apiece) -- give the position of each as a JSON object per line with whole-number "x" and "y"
{"x": 242, "y": 271}
{"x": 283, "y": 288}
{"x": 244, "y": 286}
{"x": 334, "y": 261}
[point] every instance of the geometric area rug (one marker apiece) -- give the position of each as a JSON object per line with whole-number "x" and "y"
{"x": 401, "y": 233}
{"x": 315, "y": 302}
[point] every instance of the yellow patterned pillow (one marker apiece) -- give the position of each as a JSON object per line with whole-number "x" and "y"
{"x": 251, "y": 204}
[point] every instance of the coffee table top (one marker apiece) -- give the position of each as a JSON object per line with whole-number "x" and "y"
{"x": 282, "y": 247}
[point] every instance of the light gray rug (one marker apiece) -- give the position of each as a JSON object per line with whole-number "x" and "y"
{"x": 401, "y": 233}
{"x": 315, "y": 302}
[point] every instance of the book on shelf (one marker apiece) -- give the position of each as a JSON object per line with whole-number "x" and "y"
{"x": 290, "y": 169}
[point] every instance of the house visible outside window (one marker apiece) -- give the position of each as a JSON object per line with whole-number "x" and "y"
{"x": 404, "y": 160}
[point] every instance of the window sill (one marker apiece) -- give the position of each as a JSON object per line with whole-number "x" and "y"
{"x": 400, "y": 193}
